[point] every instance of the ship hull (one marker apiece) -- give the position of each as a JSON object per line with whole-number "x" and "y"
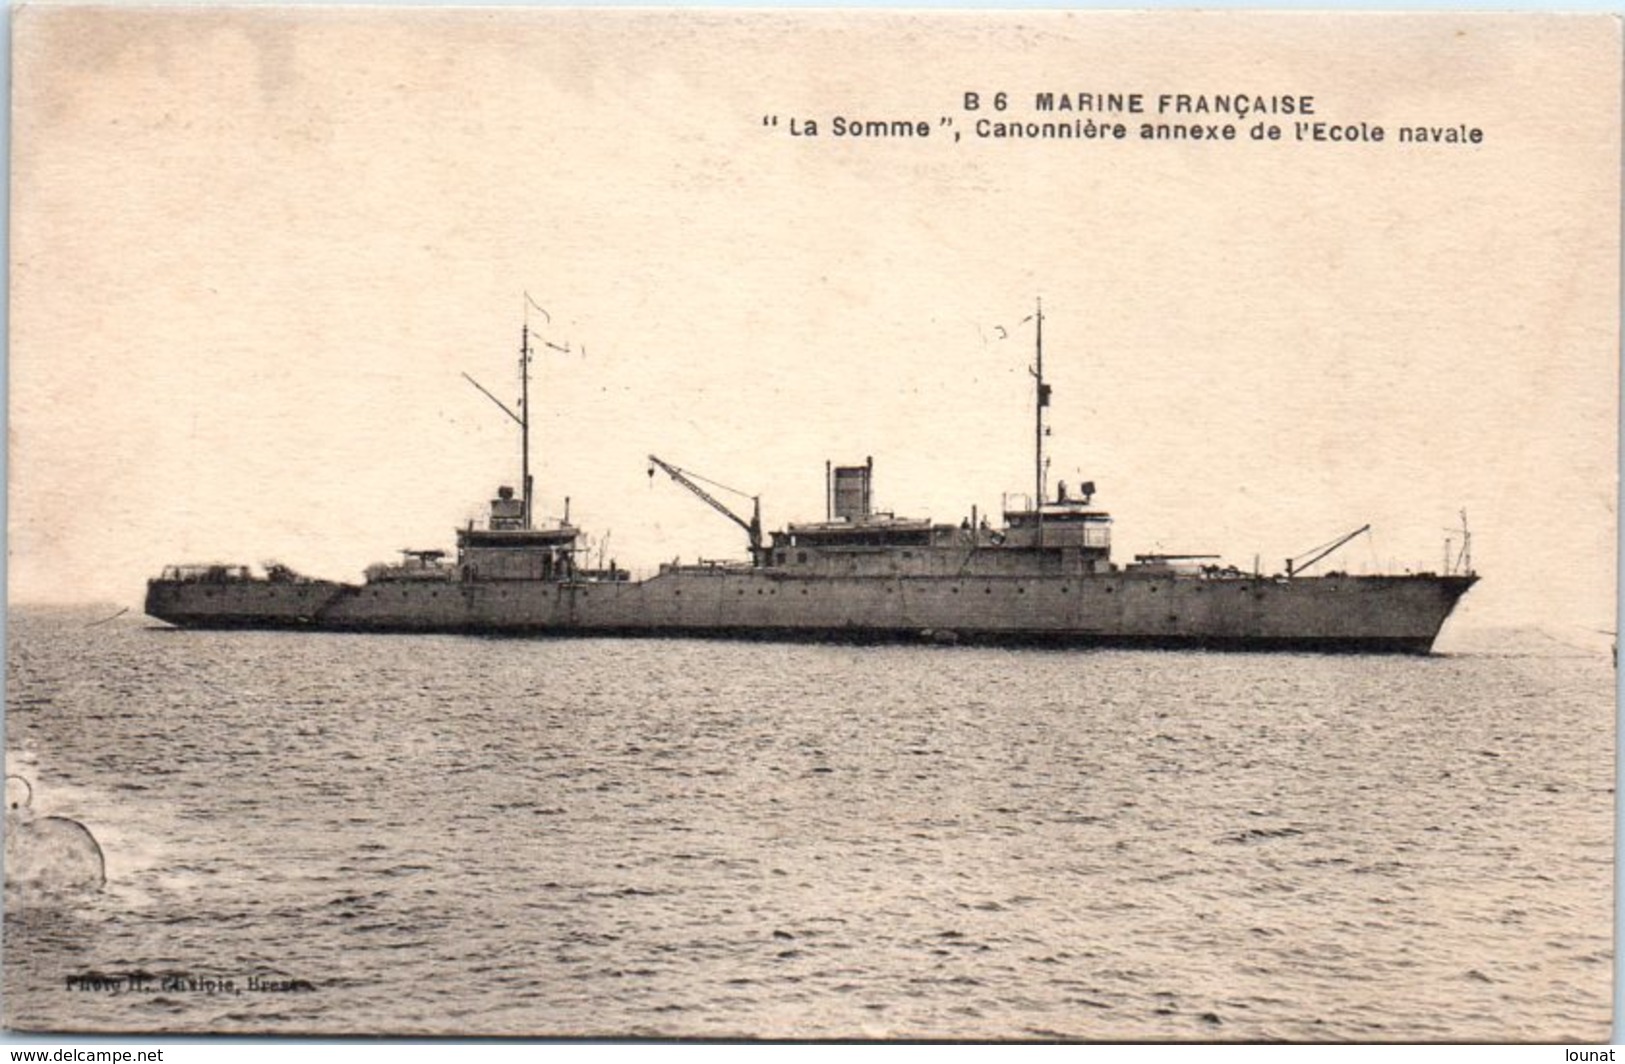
{"x": 1382, "y": 614}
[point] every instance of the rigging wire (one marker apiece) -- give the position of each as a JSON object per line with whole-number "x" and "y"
{"x": 715, "y": 484}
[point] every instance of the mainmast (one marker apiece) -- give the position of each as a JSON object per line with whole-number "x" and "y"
{"x": 1038, "y": 416}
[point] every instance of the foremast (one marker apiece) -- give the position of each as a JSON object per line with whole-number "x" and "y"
{"x": 511, "y": 546}
{"x": 527, "y": 487}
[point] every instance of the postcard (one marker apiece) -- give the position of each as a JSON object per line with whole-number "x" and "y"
{"x": 990, "y": 525}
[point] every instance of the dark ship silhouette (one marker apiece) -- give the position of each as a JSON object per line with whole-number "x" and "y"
{"x": 1044, "y": 575}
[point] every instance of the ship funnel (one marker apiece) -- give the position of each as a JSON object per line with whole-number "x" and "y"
{"x": 852, "y": 491}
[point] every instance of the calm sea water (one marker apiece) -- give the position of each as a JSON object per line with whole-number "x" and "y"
{"x": 691, "y": 839}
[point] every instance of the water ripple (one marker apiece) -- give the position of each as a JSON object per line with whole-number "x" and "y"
{"x": 665, "y": 838}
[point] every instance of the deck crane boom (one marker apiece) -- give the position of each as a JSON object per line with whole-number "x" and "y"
{"x": 753, "y": 527}
{"x": 1296, "y": 568}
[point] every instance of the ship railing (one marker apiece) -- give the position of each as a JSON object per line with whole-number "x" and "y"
{"x": 603, "y": 576}
{"x": 207, "y": 574}
{"x": 707, "y": 567}
{"x": 380, "y": 574}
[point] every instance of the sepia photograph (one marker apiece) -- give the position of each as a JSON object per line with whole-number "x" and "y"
{"x": 992, "y": 526}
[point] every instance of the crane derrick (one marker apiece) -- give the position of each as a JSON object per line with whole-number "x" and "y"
{"x": 752, "y": 527}
{"x": 1294, "y": 567}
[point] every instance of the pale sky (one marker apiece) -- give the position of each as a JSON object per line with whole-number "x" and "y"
{"x": 253, "y": 250}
